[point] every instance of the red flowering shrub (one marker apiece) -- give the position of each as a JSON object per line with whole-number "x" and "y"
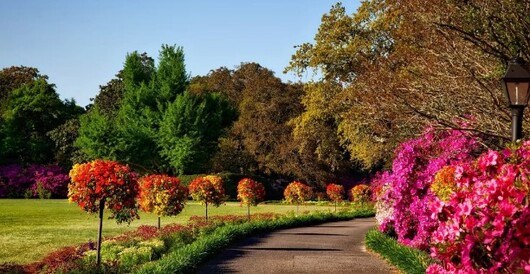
{"x": 250, "y": 192}
{"x": 162, "y": 195}
{"x": 208, "y": 190}
{"x": 483, "y": 214}
{"x": 297, "y": 193}
{"x": 100, "y": 179}
{"x": 335, "y": 192}
{"x": 361, "y": 194}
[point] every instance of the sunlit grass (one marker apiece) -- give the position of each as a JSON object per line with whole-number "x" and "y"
{"x": 29, "y": 229}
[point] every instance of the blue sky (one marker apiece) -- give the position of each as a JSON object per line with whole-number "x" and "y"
{"x": 82, "y": 44}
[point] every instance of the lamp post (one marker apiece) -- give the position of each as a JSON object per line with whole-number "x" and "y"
{"x": 516, "y": 85}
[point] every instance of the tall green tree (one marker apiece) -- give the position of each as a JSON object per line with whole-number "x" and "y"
{"x": 32, "y": 111}
{"x": 190, "y": 131}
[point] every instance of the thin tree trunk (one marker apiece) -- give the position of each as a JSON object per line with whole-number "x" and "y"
{"x": 206, "y": 211}
{"x": 248, "y": 212}
{"x": 101, "y": 208}
{"x": 158, "y": 222}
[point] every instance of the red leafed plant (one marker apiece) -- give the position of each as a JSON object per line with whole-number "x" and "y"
{"x": 335, "y": 193}
{"x": 297, "y": 193}
{"x": 100, "y": 179}
{"x": 250, "y": 192}
{"x": 162, "y": 195}
{"x": 208, "y": 190}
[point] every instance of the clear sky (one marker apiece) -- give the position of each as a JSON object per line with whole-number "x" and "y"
{"x": 82, "y": 44}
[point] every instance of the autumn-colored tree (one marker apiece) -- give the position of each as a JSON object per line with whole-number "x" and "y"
{"x": 250, "y": 193}
{"x": 261, "y": 139}
{"x": 99, "y": 184}
{"x": 208, "y": 190}
{"x": 162, "y": 195}
{"x": 297, "y": 193}
{"x": 361, "y": 194}
{"x": 335, "y": 193}
{"x": 401, "y": 64}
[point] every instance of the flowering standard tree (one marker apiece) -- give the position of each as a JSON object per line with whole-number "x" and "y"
{"x": 335, "y": 193}
{"x": 250, "y": 193}
{"x": 297, "y": 193}
{"x": 208, "y": 190}
{"x": 162, "y": 195}
{"x": 99, "y": 184}
{"x": 361, "y": 194}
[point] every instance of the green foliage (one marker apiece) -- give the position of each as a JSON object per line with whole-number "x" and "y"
{"x": 190, "y": 130}
{"x": 64, "y": 136}
{"x": 30, "y": 112}
{"x": 97, "y": 136}
{"x": 172, "y": 78}
{"x": 406, "y": 259}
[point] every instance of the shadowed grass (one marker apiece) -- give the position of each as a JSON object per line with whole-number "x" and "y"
{"x": 30, "y": 229}
{"x": 406, "y": 259}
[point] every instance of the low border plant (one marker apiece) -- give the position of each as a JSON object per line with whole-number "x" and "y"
{"x": 406, "y": 259}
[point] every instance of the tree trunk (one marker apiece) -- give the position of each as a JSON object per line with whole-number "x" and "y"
{"x": 101, "y": 208}
{"x": 158, "y": 222}
{"x": 206, "y": 211}
{"x": 248, "y": 212}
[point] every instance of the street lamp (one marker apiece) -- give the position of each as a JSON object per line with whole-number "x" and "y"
{"x": 516, "y": 85}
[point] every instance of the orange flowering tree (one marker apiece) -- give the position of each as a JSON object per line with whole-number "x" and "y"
{"x": 162, "y": 195}
{"x": 335, "y": 193}
{"x": 360, "y": 194}
{"x": 99, "y": 184}
{"x": 297, "y": 193}
{"x": 208, "y": 190}
{"x": 250, "y": 192}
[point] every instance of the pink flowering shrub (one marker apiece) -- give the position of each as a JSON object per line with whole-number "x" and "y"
{"x": 17, "y": 181}
{"x": 484, "y": 224}
{"x": 403, "y": 193}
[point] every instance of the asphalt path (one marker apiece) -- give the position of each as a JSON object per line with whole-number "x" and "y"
{"x": 335, "y": 247}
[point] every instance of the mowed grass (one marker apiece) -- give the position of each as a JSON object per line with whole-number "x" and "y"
{"x": 30, "y": 229}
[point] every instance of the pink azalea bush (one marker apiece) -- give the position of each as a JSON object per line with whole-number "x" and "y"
{"x": 17, "y": 181}
{"x": 484, "y": 224}
{"x": 403, "y": 193}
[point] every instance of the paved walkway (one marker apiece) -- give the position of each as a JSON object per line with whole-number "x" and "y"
{"x": 335, "y": 247}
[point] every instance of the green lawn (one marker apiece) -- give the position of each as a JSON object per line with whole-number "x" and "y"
{"x": 29, "y": 229}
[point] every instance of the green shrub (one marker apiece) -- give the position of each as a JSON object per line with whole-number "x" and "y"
{"x": 406, "y": 259}
{"x": 136, "y": 255}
